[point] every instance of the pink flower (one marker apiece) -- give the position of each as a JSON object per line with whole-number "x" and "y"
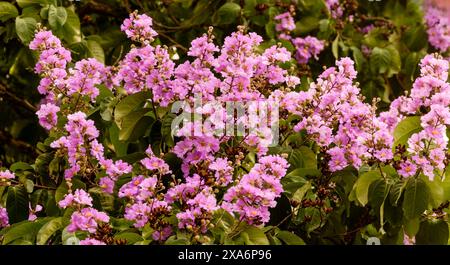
{"x": 91, "y": 242}
{"x": 407, "y": 169}
{"x": 47, "y": 115}
{"x": 4, "y": 220}
{"x": 286, "y": 22}
{"x": 86, "y": 220}
{"x": 32, "y": 214}
{"x": 139, "y": 28}
{"x": 6, "y": 175}
{"x": 78, "y": 198}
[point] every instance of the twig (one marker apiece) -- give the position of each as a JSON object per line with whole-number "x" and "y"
{"x": 21, "y": 102}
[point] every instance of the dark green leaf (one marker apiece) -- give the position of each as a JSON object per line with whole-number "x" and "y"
{"x": 416, "y": 198}
{"x": 17, "y": 204}
{"x": 7, "y": 11}
{"x": 25, "y": 28}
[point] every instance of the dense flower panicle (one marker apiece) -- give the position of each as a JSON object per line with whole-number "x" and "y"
{"x": 141, "y": 212}
{"x": 139, "y": 28}
{"x": 139, "y": 188}
{"x": 427, "y": 148}
{"x": 84, "y": 77}
{"x": 155, "y": 164}
{"x": 4, "y": 219}
{"x": 306, "y": 48}
{"x": 256, "y": 192}
{"x": 199, "y": 213}
{"x": 223, "y": 171}
{"x": 148, "y": 69}
{"x": 47, "y": 115}
{"x": 79, "y": 198}
{"x": 335, "y": 8}
{"x": 438, "y": 28}
{"x": 113, "y": 169}
{"x": 87, "y": 219}
{"x": 6, "y": 175}
{"x": 44, "y": 40}
{"x": 52, "y": 63}
{"x": 79, "y": 131}
{"x": 335, "y": 115}
{"x": 285, "y": 22}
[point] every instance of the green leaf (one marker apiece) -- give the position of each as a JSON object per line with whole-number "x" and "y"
{"x": 254, "y": 236}
{"x": 20, "y": 166}
{"x": 131, "y": 238}
{"x": 359, "y": 58}
{"x": 301, "y": 192}
{"x": 302, "y": 157}
{"x": 412, "y": 226}
{"x": 406, "y": 128}
{"x": 95, "y": 50}
{"x": 432, "y": 233}
{"x": 363, "y": 183}
{"x": 48, "y": 230}
{"x": 380, "y": 59}
{"x": 290, "y": 238}
{"x": 24, "y": 230}
{"x": 25, "y": 3}
{"x": 17, "y": 204}
{"x": 128, "y": 104}
{"x": 140, "y": 118}
{"x": 120, "y": 147}
{"x": 57, "y": 17}
{"x": 7, "y": 11}
{"x": 335, "y": 47}
{"x": 416, "y": 198}
{"x": 166, "y": 129}
{"x": 71, "y": 29}
{"x": 227, "y": 14}
{"x": 173, "y": 240}
{"x": 25, "y": 28}
{"x": 378, "y": 190}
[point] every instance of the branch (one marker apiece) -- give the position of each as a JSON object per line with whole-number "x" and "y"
{"x": 19, "y": 101}
{"x": 7, "y": 139}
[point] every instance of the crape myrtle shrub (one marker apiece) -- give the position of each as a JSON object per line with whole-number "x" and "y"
{"x": 361, "y": 89}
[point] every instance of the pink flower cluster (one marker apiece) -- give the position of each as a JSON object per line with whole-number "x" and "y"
{"x": 85, "y": 218}
{"x": 430, "y": 92}
{"x": 47, "y": 115}
{"x": 306, "y": 48}
{"x": 285, "y": 22}
{"x": 438, "y": 28}
{"x": 139, "y": 28}
{"x": 333, "y": 113}
{"x": 57, "y": 82}
{"x": 84, "y": 77}
{"x": 256, "y": 191}
{"x": 6, "y": 175}
{"x": 335, "y": 8}
{"x": 4, "y": 220}
{"x": 80, "y": 133}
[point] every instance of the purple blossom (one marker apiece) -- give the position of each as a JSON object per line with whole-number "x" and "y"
{"x": 47, "y": 115}
{"x": 86, "y": 220}
{"x": 4, "y": 220}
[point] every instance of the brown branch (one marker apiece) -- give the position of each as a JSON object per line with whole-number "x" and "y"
{"x": 7, "y": 138}
{"x": 13, "y": 98}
